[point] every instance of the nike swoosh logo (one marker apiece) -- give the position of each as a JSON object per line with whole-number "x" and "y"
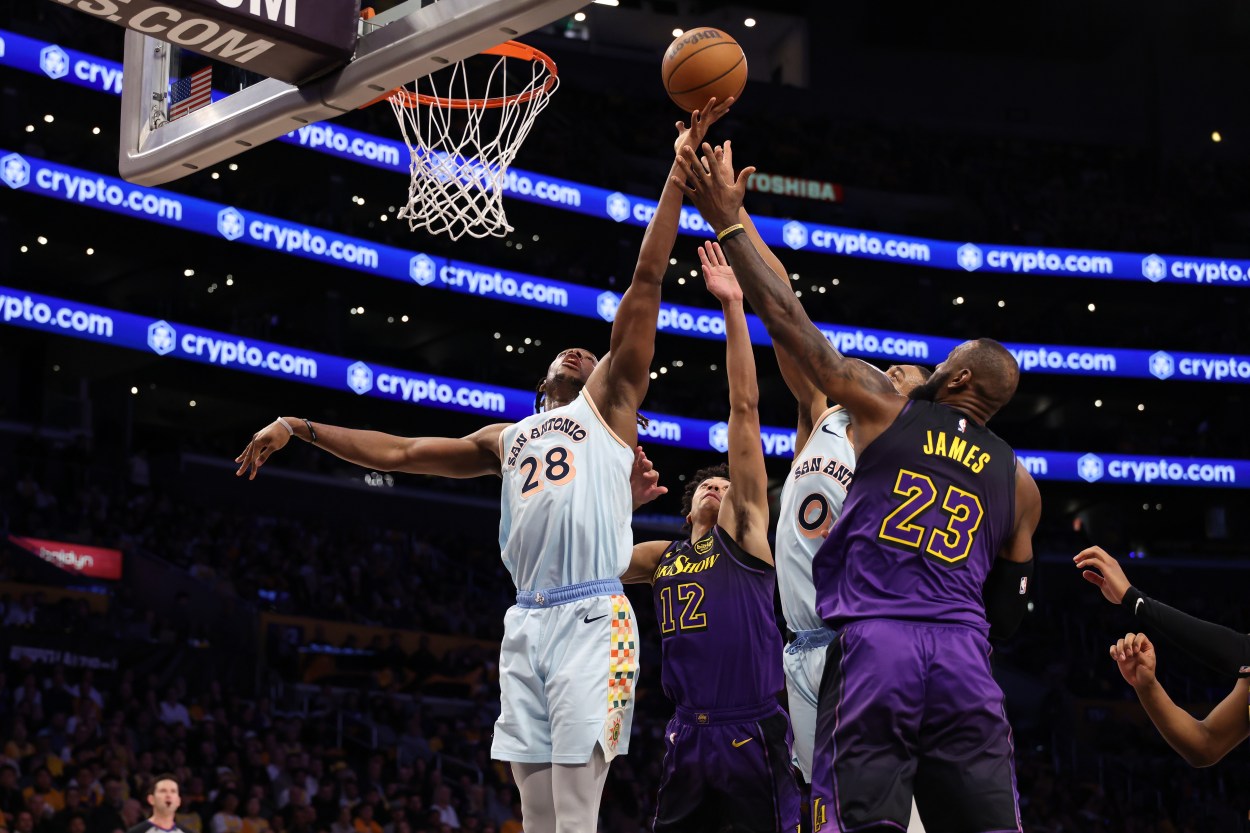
{"x": 825, "y": 428}
{"x": 737, "y": 743}
{"x": 588, "y": 620}
{"x": 1139, "y": 601}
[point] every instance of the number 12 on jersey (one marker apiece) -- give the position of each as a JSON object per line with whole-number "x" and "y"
{"x": 962, "y": 512}
{"x": 555, "y": 468}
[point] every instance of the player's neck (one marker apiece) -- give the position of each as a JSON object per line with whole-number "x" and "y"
{"x": 163, "y": 820}
{"x": 977, "y": 410}
{"x": 700, "y": 529}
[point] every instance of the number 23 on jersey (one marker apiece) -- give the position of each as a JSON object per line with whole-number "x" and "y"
{"x": 961, "y": 510}
{"x": 555, "y": 469}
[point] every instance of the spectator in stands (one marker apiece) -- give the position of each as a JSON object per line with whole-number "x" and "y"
{"x": 442, "y": 805}
{"x": 364, "y": 821}
{"x": 172, "y": 711}
{"x": 108, "y": 816}
{"x": 226, "y": 819}
{"x": 43, "y": 789}
{"x": 253, "y": 821}
{"x": 343, "y": 823}
{"x": 11, "y": 799}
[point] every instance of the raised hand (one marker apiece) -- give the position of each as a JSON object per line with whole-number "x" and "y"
{"x": 711, "y": 186}
{"x": 1104, "y": 572}
{"x": 273, "y": 437}
{"x": 718, "y": 275}
{"x": 700, "y": 121}
{"x": 644, "y": 480}
{"x": 1135, "y": 657}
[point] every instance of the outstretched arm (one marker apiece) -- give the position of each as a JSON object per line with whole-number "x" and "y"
{"x": 811, "y": 400}
{"x": 471, "y": 456}
{"x": 1200, "y": 742}
{"x": 1219, "y": 648}
{"x": 865, "y": 392}
{"x": 745, "y": 513}
{"x": 619, "y": 383}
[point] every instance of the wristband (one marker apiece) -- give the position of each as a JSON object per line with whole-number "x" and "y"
{"x": 286, "y": 425}
{"x": 729, "y": 231}
{"x": 312, "y": 434}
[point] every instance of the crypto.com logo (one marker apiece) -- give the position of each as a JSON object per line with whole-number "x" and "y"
{"x": 718, "y": 437}
{"x": 1154, "y": 268}
{"x": 606, "y": 305}
{"x": 1089, "y": 468}
{"x": 969, "y": 257}
{"x": 15, "y": 171}
{"x": 421, "y": 270}
{"x": 54, "y": 62}
{"x": 360, "y": 378}
{"x": 230, "y": 223}
{"x": 161, "y": 337}
{"x": 1162, "y": 365}
{"x": 794, "y": 234}
{"x": 618, "y": 206}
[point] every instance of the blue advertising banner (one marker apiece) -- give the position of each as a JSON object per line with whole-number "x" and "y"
{"x": 82, "y": 69}
{"x": 82, "y": 187}
{"x": 195, "y": 344}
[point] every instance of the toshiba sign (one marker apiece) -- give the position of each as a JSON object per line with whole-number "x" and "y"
{"x": 795, "y": 186}
{"x": 291, "y": 40}
{"x": 95, "y": 562}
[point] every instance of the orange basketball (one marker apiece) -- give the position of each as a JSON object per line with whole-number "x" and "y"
{"x": 702, "y": 63}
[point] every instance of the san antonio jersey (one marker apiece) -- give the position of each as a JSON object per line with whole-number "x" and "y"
{"x": 566, "y": 504}
{"x": 811, "y": 501}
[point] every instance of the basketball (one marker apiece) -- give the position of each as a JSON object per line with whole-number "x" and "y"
{"x": 702, "y": 63}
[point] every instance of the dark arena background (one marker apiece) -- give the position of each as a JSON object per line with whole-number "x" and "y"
{"x": 316, "y": 651}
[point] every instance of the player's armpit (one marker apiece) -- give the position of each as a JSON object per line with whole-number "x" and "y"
{"x": 643, "y": 562}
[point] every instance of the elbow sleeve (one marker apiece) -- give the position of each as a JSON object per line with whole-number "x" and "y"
{"x": 1006, "y": 596}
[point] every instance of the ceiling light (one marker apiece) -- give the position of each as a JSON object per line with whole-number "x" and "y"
{"x": 654, "y": 375}
{"x": 681, "y": 281}
{"x": 663, "y": 370}
{"x": 403, "y": 318}
{"x": 1141, "y": 406}
{"x": 958, "y": 300}
{"x": 134, "y": 390}
{"x": 192, "y": 403}
{"x": 216, "y": 175}
{"x": 190, "y": 273}
{"x": 713, "y": 367}
{"x": 234, "y": 166}
{"x": 677, "y": 33}
{"x": 43, "y": 241}
{"x": 90, "y": 251}
{"x": 672, "y": 261}
{"x": 579, "y": 17}
{"x": 529, "y": 341}
{"x": 749, "y": 22}
{"x": 30, "y": 128}
{"x": 508, "y": 348}
{"x": 95, "y": 131}
{"x": 25, "y": 249}
{"x": 1002, "y": 304}
{"x": 497, "y": 335}
{"x": 229, "y": 281}
{"x": 1097, "y": 403}
{"x": 608, "y": 2}
{"x": 1216, "y": 137}
{"x": 49, "y": 118}
{"x": 1091, "y": 308}
{"x": 694, "y": 273}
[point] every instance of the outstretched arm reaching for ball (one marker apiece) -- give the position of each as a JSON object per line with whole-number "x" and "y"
{"x": 471, "y": 456}
{"x": 619, "y": 383}
{"x": 862, "y": 389}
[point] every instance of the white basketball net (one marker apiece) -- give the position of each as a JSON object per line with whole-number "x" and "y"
{"x": 460, "y": 154}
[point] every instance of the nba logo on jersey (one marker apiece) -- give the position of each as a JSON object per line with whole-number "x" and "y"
{"x": 1024, "y": 585}
{"x": 963, "y": 425}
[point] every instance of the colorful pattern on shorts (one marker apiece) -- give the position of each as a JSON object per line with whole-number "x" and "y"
{"x": 623, "y": 666}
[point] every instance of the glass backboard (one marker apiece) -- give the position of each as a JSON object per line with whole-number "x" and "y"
{"x": 163, "y": 138}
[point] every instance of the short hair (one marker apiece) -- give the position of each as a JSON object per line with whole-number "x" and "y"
{"x": 995, "y": 372}
{"x": 164, "y": 776}
{"x": 706, "y": 473}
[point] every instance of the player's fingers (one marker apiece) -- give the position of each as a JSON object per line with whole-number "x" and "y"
{"x": 1141, "y": 643}
{"x": 703, "y": 258}
{"x": 683, "y": 187}
{"x": 710, "y": 153}
{"x": 720, "y": 255}
{"x": 1093, "y": 578}
{"x": 743, "y": 176}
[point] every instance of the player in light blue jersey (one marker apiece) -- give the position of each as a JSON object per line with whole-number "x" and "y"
{"x": 569, "y": 656}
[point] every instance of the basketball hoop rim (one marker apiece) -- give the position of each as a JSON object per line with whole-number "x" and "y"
{"x": 507, "y": 49}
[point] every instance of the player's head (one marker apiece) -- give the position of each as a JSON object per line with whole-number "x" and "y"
{"x": 907, "y": 377}
{"x": 163, "y": 794}
{"x": 566, "y": 376}
{"x": 704, "y": 493}
{"x": 981, "y": 373}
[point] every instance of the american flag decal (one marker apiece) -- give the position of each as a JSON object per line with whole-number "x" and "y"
{"x": 190, "y": 94}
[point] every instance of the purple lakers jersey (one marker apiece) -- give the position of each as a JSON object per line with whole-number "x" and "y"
{"x": 720, "y": 642}
{"x": 932, "y": 503}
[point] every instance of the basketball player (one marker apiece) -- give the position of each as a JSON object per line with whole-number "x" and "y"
{"x": 940, "y": 508}
{"x": 165, "y": 801}
{"x": 569, "y": 655}
{"x": 727, "y": 763}
{"x": 1200, "y": 742}
{"x": 811, "y": 502}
